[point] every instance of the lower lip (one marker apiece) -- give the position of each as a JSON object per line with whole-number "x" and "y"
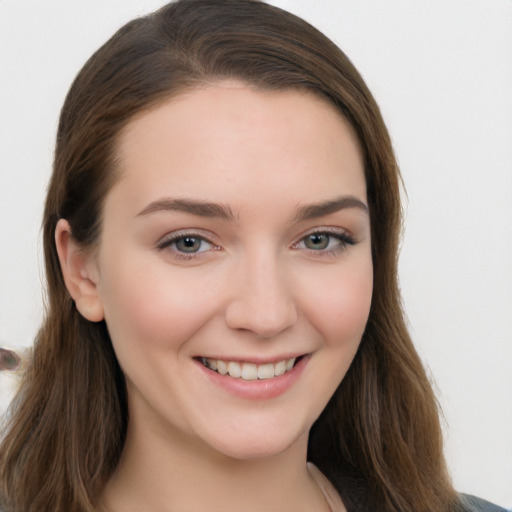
{"x": 257, "y": 389}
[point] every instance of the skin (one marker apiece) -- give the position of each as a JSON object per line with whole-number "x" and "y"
{"x": 257, "y": 289}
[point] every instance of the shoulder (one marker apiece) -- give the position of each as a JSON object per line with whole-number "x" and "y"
{"x": 474, "y": 504}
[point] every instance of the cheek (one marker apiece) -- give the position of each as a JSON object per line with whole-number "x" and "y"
{"x": 153, "y": 308}
{"x": 340, "y": 309}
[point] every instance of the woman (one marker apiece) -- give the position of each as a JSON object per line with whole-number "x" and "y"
{"x": 220, "y": 234}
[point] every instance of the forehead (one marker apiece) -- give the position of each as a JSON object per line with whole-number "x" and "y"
{"x": 230, "y": 133}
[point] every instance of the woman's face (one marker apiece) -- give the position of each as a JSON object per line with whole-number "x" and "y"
{"x": 237, "y": 239}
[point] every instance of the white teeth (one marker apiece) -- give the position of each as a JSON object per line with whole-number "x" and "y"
{"x": 249, "y": 371}
{"x": 290, "y": 363}
{"x": 265, "y": 371}
{"x": 234, "y": 369}
{"x": 280, "y": 368}
{"x": 222, "y": 367}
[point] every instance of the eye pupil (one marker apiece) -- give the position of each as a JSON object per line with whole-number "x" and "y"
{"x": 188, "y": 244}
{"x": 317, "y": 241}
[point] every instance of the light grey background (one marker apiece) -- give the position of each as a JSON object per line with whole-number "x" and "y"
{"x": 442, "y": 73}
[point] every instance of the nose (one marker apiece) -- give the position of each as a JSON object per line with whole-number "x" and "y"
{"x": 262, "y": 301}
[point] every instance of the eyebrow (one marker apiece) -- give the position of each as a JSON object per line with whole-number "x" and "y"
{"x": 313, "y": 211}
{"x": 208, "y": 209}
{"x": 195, "y": 207}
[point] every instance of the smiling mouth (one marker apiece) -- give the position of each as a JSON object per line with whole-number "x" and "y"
{"x": 250, "y": 371}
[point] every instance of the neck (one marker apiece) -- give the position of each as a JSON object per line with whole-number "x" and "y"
{"x": 172, "y": 473}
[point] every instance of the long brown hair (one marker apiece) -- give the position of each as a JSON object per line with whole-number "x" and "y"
{"x": 379, "y": 439}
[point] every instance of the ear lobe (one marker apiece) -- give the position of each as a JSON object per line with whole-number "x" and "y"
{"x": 80, "y": 273}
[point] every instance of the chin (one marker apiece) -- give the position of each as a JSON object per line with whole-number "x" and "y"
{"x": 246, "y": 445}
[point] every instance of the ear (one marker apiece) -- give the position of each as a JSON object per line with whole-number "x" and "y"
{"x": 80, "y": 272}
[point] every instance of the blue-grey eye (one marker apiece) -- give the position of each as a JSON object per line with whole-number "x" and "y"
{"x": 317, "y": 241}
{"x": 185, "y": 244}
{"x": 325, "y": 241}
{"x": 189, "y": 244}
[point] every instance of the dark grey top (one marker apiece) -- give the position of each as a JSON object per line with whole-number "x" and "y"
{"x": 474, "y": 504}
{"x": 471, "y": 503}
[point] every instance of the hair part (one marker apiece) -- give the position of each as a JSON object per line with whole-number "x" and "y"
{"x": 378, "y": 440}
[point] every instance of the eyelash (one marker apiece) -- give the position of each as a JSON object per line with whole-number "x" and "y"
{"x": 343, "y": 238}
{"x": 168, "y": 242}
{"x": 344, "y": 241}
